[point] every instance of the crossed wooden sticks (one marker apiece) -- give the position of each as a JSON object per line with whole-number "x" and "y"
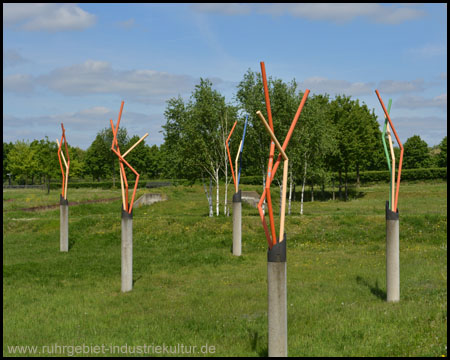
{"x": 65, "y": 176}
{"x": 271, "y": 169}
{"x": 127, "y": 207}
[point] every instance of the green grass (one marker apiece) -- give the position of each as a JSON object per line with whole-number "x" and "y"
{"x": 189, "y": 289}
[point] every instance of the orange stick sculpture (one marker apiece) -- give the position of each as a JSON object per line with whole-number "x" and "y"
{"x": 271, "y": 171}
{"x": 229, "y": 156}
{"x": 386, "y": 113}
{"x": 115, "y": 148}
{"x": 65, "y": 176}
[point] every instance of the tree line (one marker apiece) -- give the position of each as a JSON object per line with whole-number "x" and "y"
{"x": 332, "y": 136}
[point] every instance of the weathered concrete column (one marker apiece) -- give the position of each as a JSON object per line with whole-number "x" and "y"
{"x": 63, "y": 224}
{"x": 127, "y": 251}
{"x": 392, "y": 255}
{"x": 237, "y": 224}
{"x": 277, "y": 300}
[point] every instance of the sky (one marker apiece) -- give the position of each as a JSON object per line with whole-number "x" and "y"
{"x": 75, "y": 63}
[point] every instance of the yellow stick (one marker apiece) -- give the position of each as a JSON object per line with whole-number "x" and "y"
{"x": 121, "y": 186}
{"x": 236, "y": 163}
{"x": 62, "y": 155}
{"x": 67, "y": 172}
{"x": 285, "y": 173}
{"x": 272, "y": 135}
{"x": 388, "y": 132}
{"x": 131, "y": 148}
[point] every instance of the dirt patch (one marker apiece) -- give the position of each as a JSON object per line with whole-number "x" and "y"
{"x": 49, "y": 207}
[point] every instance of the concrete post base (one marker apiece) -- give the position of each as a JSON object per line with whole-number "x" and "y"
{"x": 127, "y": 251}
{"x": 277, "y": 300}
{"x": 63, "y": 224}
{"x": 392, "y": 255}
{"x": 237, "y": 224}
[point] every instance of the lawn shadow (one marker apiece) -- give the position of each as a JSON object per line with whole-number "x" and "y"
{"x": 137, "y": 278}
{"x": 255, "y": 339}
{"x": 374, "y": 289}
{"x": 71, "y": 243}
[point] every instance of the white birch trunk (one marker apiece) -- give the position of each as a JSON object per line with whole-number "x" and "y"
{"x": 211, "y": 213}
{"x": 290, "y": 194}
{"x": 303, "y": 189}
{"x": 217, "y": 190}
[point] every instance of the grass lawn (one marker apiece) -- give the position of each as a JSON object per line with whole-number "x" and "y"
{"x": 192, "y": 297}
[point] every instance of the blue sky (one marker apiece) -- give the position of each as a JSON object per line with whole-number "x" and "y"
{"x": 75, "y": 63}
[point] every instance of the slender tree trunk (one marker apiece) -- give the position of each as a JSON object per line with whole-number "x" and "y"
{"x": 357, "y": 175}
{"x": 323, "y": 191}
{"x": 340, "y": 184}
{"x": 208, "y": 197}
{"x": 334, "y": 196}
{"x": 217, "y": 190}
{"x": 346, "y": 193}
{"x": 312, "y": 192}
{"x": 264, "y": 187}
{"x": 303, "y": 189}
{"x": 211, "y": 212}
{"x": 226, "y": 186}
{"x": 290, "y": 193}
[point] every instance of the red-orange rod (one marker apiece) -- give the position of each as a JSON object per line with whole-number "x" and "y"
{"x": 117, "y": 144}
{"x": 285, "y": 143}
{"x": 137, "y": 178}
{"x": 60, "y": 164}
{"x": 122, "y": 160}
{"x": 229, "y": 156}
{"x": 401, "y": 149}
{"x": 120, "y": 164}
{"x": 271, "y": 152}
{"x": 68, "y": 161}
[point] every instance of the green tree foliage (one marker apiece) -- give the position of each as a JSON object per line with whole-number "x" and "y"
{"x": 6, "y": 149}
{"x": 48, "y": 166}
{"x": 100, "y": 160}
{"x": 22, "y": 162}
{"x": 415, "y": 154}
{"x": 442, "y": 157}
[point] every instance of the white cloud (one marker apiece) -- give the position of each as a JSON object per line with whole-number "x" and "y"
{"x": 415, "y": 102}
{"x": 429, "y": 50}
{"x": 18, "y": 83}
{"x": 48, "y": 17}
{"x": 336, "y": 12}
{"x": 12, "y": 57}
{"x": 126, "y": 24}
{"x": 394, "y": 86}
{"x": 98, "y": 77}
{"x": 320, "y": 85}
{"x": 431, "y": 129}
{"x": 222, "y": 8}
{"x": 82, "y": 126}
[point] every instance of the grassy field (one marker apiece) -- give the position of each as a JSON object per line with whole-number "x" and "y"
{"x": 192, "y": 297}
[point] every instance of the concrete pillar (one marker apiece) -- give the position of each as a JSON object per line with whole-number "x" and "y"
{"x": 277, "y": 300}
{"x": 392, "y": 255}
{"x": 237, "y": 224}
{"x": 63, "y": 224}
{"x": 127, "y": 251}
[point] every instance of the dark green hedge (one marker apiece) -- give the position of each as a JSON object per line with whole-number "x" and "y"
{"x": 371, "y": 176}
{"x": 365, "y": 177}
{"x": 406, "y": 175}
